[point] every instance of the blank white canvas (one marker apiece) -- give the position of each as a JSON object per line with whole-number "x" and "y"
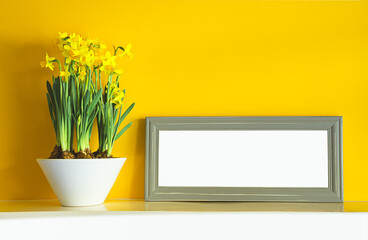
{"x": 246, "y": 158}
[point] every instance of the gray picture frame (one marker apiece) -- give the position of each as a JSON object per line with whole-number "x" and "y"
{"x": 333, "y": 125}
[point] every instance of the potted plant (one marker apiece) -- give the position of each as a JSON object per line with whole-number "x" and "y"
{"x": 76, "y": 98}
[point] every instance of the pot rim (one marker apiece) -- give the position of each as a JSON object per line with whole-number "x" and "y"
{"x": 80, "y": 159}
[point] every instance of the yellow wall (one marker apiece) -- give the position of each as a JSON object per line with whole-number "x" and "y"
{"x": 193, "y": 58}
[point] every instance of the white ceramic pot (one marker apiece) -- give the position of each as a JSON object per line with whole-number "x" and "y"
{"x": 81, "y": 182}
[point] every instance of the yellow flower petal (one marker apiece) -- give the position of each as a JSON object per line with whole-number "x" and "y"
{"x": 127, "y": 51}
{"x": 118, "y": 71}
{"x": 48, "y": 62}
{"x": 64, "y": 74}
{"x": 63, "y": 35}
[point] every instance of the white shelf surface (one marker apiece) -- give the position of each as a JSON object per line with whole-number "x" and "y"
{"x": 136, "y": 219}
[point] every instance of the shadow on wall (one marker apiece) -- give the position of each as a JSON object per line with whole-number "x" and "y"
{"x": 139, "y": 160}
{"x": 26, "y": 129}
{"x": 130, "y": 182}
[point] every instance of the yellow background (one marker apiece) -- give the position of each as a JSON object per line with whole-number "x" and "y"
{"x": 193, "y": 58}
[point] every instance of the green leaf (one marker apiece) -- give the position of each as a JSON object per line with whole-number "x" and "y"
{"x": 69, "y": 122}
{"x": 51, "y": 93}
{"x": 56, "y": 91}
{"x": 73, "y": 93}
{"x": 94, "y": 102}
{"x": 122, "y": 131}
{"x": 55, "y": 105}
{"x": 90, "y": 124}
{"x": 51, "y": 112}
{"x": 85, "y": 101}
{"x": 124, "y": 115}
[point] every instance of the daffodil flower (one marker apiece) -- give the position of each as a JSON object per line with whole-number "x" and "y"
{"x": 109, "y": 63}
{"x": 74, "y": 45}
{"x": 87, "y": 59}
{"x": 82, "y": 73}
{"x": 128, "y": 52}
{"x": 118, "y": 71}
{"x": 63, "y": 35}
{"x": 86, "y": 56}
{"x": 64, "y": 74}
{"x": 48, "y": 62}
{"x": 116, "y": 95}
{"x": 73, "y": 54}
{"x": 75, "y": 68}
{"x": 72, "y": 36}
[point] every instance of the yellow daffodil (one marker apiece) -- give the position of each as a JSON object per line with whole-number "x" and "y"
{"x": 118, "y": 104}
{"x": 118, "y": 71}
{"x": 86, "y": 56}
{"x": 87, "y": 59}
{"x": 127, "y": 51}
{"x": 99, "y": 51}
{"x": 114, "y": 90}
{"x": 48, "y": 62}
{"x": 109, "y": 63}
{"x": 103, "y": 47}
{"x": 119, "y": 95}
{"x": 63, "y": 35}
{"x": 116, "y": 95}
{"x": 72, "y": 36}
{"x": 74, "y": 45}
{"x": 86, "y": 53}
{"x": 73, "y": 53}
{"x": 68, "y": 61}
{"x": 82, "y": 72}
{"x": 78, "y": 38}
{"x": 63, "y": 40}
{"x": 65, "y": 50}
{"x": 64, "y": 74}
